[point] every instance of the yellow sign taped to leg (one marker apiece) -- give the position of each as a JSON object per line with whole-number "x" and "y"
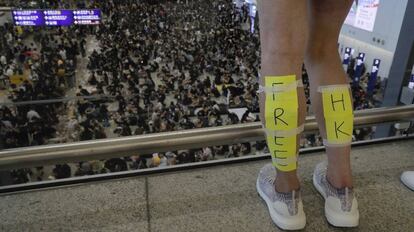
{"x": 281, "y": 114}
{"x": 338, "y": 114}
{"x": 281, "y": 108}
{"x": 283, "y": 149}
{"x": 283, "y": 88}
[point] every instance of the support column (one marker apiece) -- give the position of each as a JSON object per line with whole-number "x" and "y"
{"x": 401, "y": 66}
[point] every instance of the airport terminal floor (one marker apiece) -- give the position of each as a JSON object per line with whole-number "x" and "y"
{"x": 127, "y": 115}
{"x": 221, "y": 198}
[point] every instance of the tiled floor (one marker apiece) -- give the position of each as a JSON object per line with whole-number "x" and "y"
{"x": 221, "y": 198}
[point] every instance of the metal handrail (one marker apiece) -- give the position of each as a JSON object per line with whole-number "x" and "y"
{"x": 171, "y": 141}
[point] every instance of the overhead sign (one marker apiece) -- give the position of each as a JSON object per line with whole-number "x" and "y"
{"x": 56, "y": 17}
{"x": 28, "y": 17}
{"x": 87, "y": 17}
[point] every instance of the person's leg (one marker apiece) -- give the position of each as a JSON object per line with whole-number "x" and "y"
{"x": 324, "y": 67}
{"x": 283, "y": 34}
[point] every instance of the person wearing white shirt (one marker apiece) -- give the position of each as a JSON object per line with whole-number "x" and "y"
{"x": 32, "y": 115}
{"x": 3, "y": 60}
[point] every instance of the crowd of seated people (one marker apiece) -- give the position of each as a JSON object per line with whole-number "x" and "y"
{"x": 158, "y": 66}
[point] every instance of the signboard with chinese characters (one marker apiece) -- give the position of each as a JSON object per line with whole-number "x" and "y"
{"x": 28, "y": 18}
{"x": 60, "y": 17}
{"x": 87, "y": 17}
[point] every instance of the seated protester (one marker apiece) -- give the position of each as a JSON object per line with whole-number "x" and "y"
{"x": 163, "y": 161}
{"x": 247, "y": 117}
{"x": 92, "y": 79}
{"x": 116, "y": 165}
{"x": 246, "y": 148}
{"x": 99, "y": 133}
{"x": 38, "y": 135}
{"x": 182, "y": 157}
{"x": 87, "y": 133}
{"x": 215, "y": 92}
{"x": 155, "y": 161}
{"x": 62, "y": 171}
{"x": 218, "y": 150}
{"x": 218, "y": 80}
{"x": 20, "y": 176}
{"x": 171, "y": 158}
{"x": 83, "y": 92}
{"x": 206, "y": 154}
{"x": 234, "y": 150}
{"x": 138, "y": 162}
{"x": 203, "y": 111}
{"x": 33, "y": 116}
{"x": 139, "y": 131}
{"x": 234, "y": 119}
{"x": 84, "y": 169}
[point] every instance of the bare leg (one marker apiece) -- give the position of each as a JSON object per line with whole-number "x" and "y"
{"x": 324, "y": 67}
{"x": 283, "y": 31}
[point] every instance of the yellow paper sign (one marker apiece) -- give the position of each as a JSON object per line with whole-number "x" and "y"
{"x": 281, "y": 114}
{"x": 281, "y": 108}
{"x": 283, "y": 149}
{"x": 338, "y": 113}
{"x": 336, "y": 102}
{"x": 339, "y": 129}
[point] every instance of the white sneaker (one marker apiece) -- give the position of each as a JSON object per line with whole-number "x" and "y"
{"x": 286, "y": 209}
{"x": 408, "y": 179}
{"x": 341, "y": 206}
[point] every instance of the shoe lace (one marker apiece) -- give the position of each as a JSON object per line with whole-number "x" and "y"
{"x": 269, "y": 179}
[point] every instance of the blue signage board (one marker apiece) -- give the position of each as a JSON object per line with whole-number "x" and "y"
{"x": 373, "y": 77}
{"x": 60, "y": 17}
{"x": 411, "y": 83}
{"x": 347, "y": 56}
{"x": 28, "y": 18}
{"x": 358, "y": 69}
{"x": 87, "y": 17}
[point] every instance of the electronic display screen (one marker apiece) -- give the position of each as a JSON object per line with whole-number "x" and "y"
{"x": 60, "y": 17}
{"x": 28, "y": 18}
{"x": 363, "y": 14}
{"x": 87, "y": 17}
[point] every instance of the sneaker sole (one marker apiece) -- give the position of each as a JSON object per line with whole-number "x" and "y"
{"x": 282, "y": 222}
{"x": 335, "y": 219}
{"x": 406, "y": 184}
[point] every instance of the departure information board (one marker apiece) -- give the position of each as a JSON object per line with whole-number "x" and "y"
{"x": 87, "y": 17}
{"x": 56, "y": 17}
{"x": 28, "y": 18}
